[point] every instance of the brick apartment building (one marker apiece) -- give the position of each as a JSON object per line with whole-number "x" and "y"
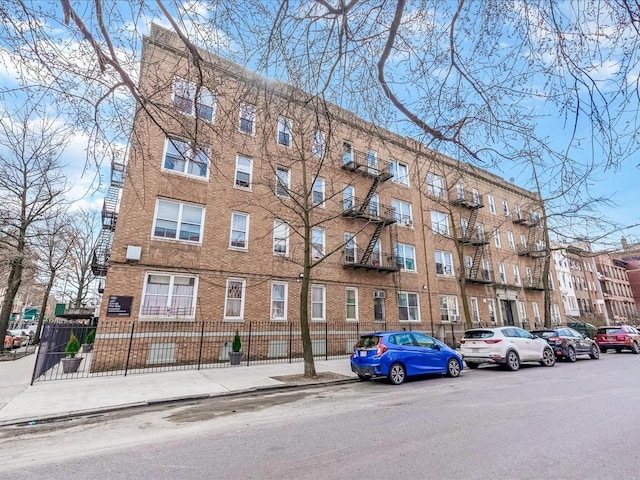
{"x": 616, "y": 289}
{"x": 630, "y": 255}
{"x": 218, "y": 193}
{"x": 586, "y": 285}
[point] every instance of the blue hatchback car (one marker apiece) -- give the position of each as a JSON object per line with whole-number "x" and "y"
{"x": 397, "y": 355}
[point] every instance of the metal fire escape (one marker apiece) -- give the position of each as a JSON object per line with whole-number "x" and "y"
{"x": 382, "y": 216}
{"x": 102, "y": 250}
{"x": 478, "y": 271}
{"x": 532, "y": 249}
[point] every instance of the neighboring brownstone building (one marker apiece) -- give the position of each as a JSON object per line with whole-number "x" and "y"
{"x": 586, "y": 285}
{"x": 616, "y": 289}
{"x": 630, "y": 254}
{"x": 216, "y": 197}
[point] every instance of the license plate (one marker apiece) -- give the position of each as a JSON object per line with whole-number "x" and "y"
{"x": 475, "y": 349}
{"x": 363, "y": 353}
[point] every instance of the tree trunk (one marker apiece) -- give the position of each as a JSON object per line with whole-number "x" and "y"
{"x": 307, "y": 347}
{"x": 13, "y": 284}
{"x": 43, "y": 308}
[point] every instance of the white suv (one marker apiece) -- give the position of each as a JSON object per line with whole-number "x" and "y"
{"x": 508, "y": 346}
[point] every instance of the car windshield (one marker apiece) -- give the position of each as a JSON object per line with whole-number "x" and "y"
{"x": 478, "y": 334}
{"x": 610, "y": 330}
{"x": 367, "y": 341}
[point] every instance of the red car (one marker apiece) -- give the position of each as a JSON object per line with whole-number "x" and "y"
{"x": 618, "y": 337}
{"x": 8, "y": 342}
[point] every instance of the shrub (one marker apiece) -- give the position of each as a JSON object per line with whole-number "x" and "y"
{"x": 73, "y": 346}
{"x": 236, "y": 346}
{"x": 91, "y": 336}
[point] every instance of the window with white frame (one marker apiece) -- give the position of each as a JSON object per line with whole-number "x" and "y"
{"x": 516, "y": 274}
{"x": 317, "y": 191}
{"x": 178, "y": 221}
{"x": 480, "y": 230}
{"x": 408, "y": 307}
{"x": 468, "y": 264}
{"x": 555, "y": 314}
{"x": 169, "y": 295}
{"x": 491, "y": 305}
{"x": 505, "y": 208}
{"x": 379, "y": 313}
{"x": 406, "y": 256}
{"x": 350, "y": 254}
{"x": 188, "y": 99}
{"x": 239, "y": 237}
{"x": 285, "y": 126}
{"x": 402, "y": 212}
{"x": 516, "y": 208}
{"x": 247, "y": 122}
{"x": 348, "y": 197}
{"x": 244, "y": 170}
{"x": 475, "y": 311}
{"x": 374, "y": 206}
{"x": 347, "y": 153}
{"x": 317, "y": 242}
{"x": 496, "y": 238}
{"x": 319, "y": 144}
{"x": 492, "y": 204}
{"x": 318, "y": 302}
{"x": 279, "y": 292}
{"x": 511, "y": 240}
{"x": 399, "y": 172}
{"x": 351, "y": 299}
{"x": 523, "y": 241}
{"x": 449, "y": 308}
{"x": 464, "y": 223}
{"x": 440, "y": 223}
{"x": 435, "y": 185}
{"x": 503, "y": 273}
{"x": 372, "y": 162}
{"x": 529, "y": 274}
{"x": 376, "y": 256}
{"x": 189, "y": 159}
{"x": 536, "y": 313}
{"x": 459, "y": 191}
{"x": 444, "y": 263}
{"x": 476, "y": 196}
{"x": 283, "y": 181}
{"x": 522, "y": 309}
{"x": 234, "y": 299}
{"x": 280, "y": 237}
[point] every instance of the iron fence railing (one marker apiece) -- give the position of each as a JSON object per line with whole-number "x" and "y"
{"x": 123, "y": 348}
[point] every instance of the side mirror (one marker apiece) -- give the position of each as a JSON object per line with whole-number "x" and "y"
{"x": 435, "y": 346}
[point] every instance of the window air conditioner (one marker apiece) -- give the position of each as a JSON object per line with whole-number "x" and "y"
{"x": 379, "y": 294}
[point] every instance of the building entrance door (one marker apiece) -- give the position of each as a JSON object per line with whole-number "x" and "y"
{"x": 507, "y": 312}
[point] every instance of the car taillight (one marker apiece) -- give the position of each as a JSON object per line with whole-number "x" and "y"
{"x": 495, "y": 340}
{"x": 621, "y": 338}
{"x": 381, "y": 349}
{"x": 463, "y": 341}
{"x": 556, "y": 340}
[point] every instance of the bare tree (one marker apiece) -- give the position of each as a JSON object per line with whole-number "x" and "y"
{"x": 31, "y": 187}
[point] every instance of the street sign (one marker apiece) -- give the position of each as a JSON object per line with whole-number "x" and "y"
{"x": 59, "y": 309}
{"x": 30, "y": 314}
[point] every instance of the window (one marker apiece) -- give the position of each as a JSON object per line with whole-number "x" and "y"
{"x": 279, "y": 292}
{"x": 492, "y": 310}
{"x": 399, "y": 172}
{"x": 318, "y": 299}
{"x": 347, "y": 153}
{"x": 372, "y": 162}
{"x": 280, "y": 238}
{"x": 405, "y": 257}
{"x": 505, "y": 208}
{"x": 167, "y": 295}
{"x": 179, "y": 221}
{"x": 529, "y": 277}
{"x": 523, "y": 241}
{"x": 503, "y": 273}
{"x": 244, "y": 169}
{"x": 449, "y": 308}
{"x": 459, "y": 191}
{"x": 350, "y": 255}
{"x": 555, "y": 314}
{"x": 247, "y": 119}
{"x": 234, "y": 299}
{"x": 510, "y": 239}
{"x": 183, "y": 157}
{"x": 379, "y": 314}
{"x": 496, "y": 238}
{"x": 284, "y": 131}
{"x": 283, "y": 181}
{"x": 435, "y": 185}
{"x": 492, "y": 204}
{"x": 348, "y": 196}
{"x": 408, "y": 307}
{"x": 184, "y": 99}
{"x": 517, "y": 212}
{"x": 444, "y": 263}
{"x": 239, "y": 230}
{"x": 374, "y": 206}
{"x": 351, "y": 298}
{"x": 516, "y": 274}
{"x": 464, "y": 223}
{"x": 480, "y": 230}
{"x": 317, "y": 191}
{"x": 318, "y": 146}
{"x": 475, "y": 312}
{"x": 476, "y": 196}
{"x": 440, "y": 223}
{"x": 468, "y": 264}
{"x": 402, "y": 212}
{"x": 317, "y": 242}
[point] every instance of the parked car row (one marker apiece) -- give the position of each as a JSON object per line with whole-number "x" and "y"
{"x": 16, "y": 339}
{"x": 399, "y": 354}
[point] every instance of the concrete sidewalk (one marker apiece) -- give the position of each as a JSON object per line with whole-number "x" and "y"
{"x": 48, "y": 400}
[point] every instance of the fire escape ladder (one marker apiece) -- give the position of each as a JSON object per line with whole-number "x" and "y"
{"x": 471, "y": 224}
{"x": 537, "y": 271}
{"x": 477, "y": 261}
{"x": 372, "y": 243}
{"x": 531, "y": 239}
{"x": 372, "y": 191}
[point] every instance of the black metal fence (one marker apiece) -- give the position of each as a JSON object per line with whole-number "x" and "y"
{"x": 123, "y": 348}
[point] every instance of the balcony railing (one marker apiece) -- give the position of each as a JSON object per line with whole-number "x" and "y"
{"x": 533, "y": 285}
{"x": 374, "y": 211}
{"x": 467, "y": 199}
{"x": 526, "y": 220}
{"x": 483, "y": 275}
{"x": 474, "y": 239}
{"x": 366, "y": 164}
{"x": 377, "y": 261}
{"x": 532, "y": 250}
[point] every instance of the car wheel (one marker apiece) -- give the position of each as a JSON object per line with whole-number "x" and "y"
{"x": 453, "y": 368}
{"x": 397, "y": 373}
{"x": 634, "y": 348}
{"x": 513, "y": 361}
{"x": 364, "y": 378}
{"x": 472, "y": 365}
{"x": 571, "y": 355}
{"x": 618, "y": 350}
{"x": 549, "y": 358}
{"x": 595, "y": 352}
